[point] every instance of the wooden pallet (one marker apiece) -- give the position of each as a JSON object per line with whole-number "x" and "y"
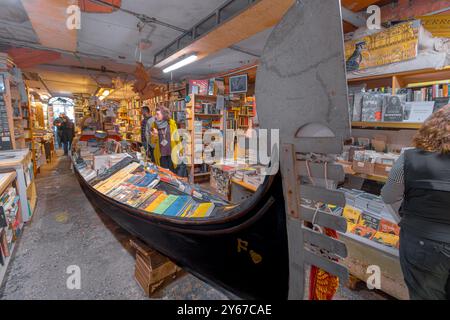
{"x": 153, "y": 271}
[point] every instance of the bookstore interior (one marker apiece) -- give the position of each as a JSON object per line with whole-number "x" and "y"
{"x": 168, "y": 139}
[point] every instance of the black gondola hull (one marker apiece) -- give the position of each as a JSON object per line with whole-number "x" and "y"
{"x": 247, "y": 256}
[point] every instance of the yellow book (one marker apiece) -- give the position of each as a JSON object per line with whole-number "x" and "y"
{"x": 186, "y": 211}
{"x": 156, "y": 203}
{"x": 203, "y": 210}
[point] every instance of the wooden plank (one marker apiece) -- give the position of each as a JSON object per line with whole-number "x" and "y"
{"x": 258, "y": 17}
{"x": 327, "y": 265}
{"x": 48, "y": 18}
{"x": 290, "y": 182}
{"x": 335, "y": 171}
{"x": 324, "y": 219}
{"x": 388, "y": 125}
{"x": 323, "y": 195}
{"x": 322, "y": 241}
{"x": 296, "y": 259}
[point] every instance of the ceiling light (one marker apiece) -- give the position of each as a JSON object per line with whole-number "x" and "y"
{"x": 105, "y": 93}
{"x": 181, "y": 63}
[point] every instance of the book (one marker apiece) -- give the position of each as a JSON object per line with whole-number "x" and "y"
{"x": 150, "y": 199}
{"x": 141, "y": 194}
{"x": 203, "y": 210}
{"x": 147, "y": 180}
{"x": 178, "y": 206}
{"x": 151, "y": 207}
{"x": 165, "y": 204}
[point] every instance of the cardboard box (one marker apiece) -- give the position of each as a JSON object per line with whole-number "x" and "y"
{"x": 363, "y": 167}
{"x": 382, "y": 169}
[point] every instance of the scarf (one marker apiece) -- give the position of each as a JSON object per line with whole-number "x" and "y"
{"x": 161, "y": 124}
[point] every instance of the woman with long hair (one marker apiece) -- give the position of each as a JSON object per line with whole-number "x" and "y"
{"x": 166, "y": 139}
{"x": 420, "y": 179}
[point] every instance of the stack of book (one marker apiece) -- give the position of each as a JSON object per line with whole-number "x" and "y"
{"x": 10, "y": 220}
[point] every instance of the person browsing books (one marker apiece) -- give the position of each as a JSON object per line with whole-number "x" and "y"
{"x": 146, "y": 129}
{"x": 165, "y": 138}
{"x": 420, "y": 180}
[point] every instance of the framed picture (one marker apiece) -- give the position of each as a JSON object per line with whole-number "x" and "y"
{"x": 2, "y": 84}
{"x": 238, "y": 84}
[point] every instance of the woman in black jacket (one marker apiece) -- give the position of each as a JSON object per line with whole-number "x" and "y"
{"x": 420, "y": 179}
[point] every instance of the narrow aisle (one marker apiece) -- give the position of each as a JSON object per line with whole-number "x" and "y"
{"x": 66, "y": 231}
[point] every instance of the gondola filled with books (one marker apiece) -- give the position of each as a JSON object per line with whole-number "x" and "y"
{"x": 127, "y": 179}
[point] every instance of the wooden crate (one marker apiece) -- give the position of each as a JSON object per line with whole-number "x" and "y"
{"x": 153, "y": 271}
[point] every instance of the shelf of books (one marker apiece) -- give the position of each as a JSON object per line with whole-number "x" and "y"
{"x": 398, "y": 101}
{"x": 129, "y": 116}
{"x": 204, "y": 121}
{"x": 11, "y": 222}
{"x": 145, "y": 187}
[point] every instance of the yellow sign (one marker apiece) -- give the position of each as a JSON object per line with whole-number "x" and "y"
{"x": 396, "y": 44}
{"x": 438, "y": 25}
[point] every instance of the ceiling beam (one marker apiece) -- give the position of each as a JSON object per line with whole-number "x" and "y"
{"x": 358, "y": 5}
{"x": 48, "y": 18}
{"x": 256, "y": 18}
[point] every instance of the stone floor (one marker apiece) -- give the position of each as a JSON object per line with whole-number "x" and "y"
{"x": 67, "y": 231}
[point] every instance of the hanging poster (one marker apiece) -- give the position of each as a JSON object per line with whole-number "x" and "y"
{"x": 396, "y": 44}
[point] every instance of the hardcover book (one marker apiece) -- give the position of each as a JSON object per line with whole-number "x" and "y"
{"x": 165, "y": 204}
{"x": 178, "y": 206}
{"x": 156, "y": 202}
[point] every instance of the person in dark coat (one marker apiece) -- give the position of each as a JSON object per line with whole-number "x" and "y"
{"x": 420, "y": 181}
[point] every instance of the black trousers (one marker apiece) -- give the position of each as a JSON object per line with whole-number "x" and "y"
{"x": 166, "y": 163}
{"x": 426, "y": 267}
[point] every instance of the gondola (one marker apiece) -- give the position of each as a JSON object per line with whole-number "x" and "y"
{"x": 243, "y": 252}
{"x": 256, "y": 250}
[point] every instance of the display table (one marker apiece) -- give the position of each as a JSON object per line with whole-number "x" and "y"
{"x": 20, "y": 161}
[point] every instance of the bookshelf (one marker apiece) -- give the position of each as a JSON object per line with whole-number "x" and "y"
{"x": 129, "y": 117}
{"x": 201, "y": 114}
{"x": 414, "y": 80}
{"x": 8, "y": 236}
{"x": 240, "y": 113}
{"x": 386, "y": 125}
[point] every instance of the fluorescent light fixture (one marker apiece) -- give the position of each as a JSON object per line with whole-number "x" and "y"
{"x": 181, "y": 63}
{"x": 105, "y": 93}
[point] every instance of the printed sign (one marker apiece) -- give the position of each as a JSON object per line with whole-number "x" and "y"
{"x": 438, "y": 25}
{"x": 396, "y": 44}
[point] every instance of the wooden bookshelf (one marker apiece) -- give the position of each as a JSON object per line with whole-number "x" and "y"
{"x": 191, "y": 116}
{"x": 402, "y": 79}
{"x": 387, "y": 125}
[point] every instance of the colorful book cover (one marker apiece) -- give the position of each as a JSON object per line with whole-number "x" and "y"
{"x": 390, "y": 240}
{"x": 187, "y": 210}
{"x": 150, "y": 199}
{"x": 387, "y": 226}
{"x": 203, "y": 210}
{"x": 165, "y": 204}
{"x": 364, "y": 231}
{"x": 147, "y": 180}
{"x": 178, "y": 206}
{"x": 139, "y": 199}
{"x": 156, "y": 203}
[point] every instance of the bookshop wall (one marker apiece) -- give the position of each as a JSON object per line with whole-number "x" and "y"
{"x": 19, "y": 158}
{"x": 389, "y": 99}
